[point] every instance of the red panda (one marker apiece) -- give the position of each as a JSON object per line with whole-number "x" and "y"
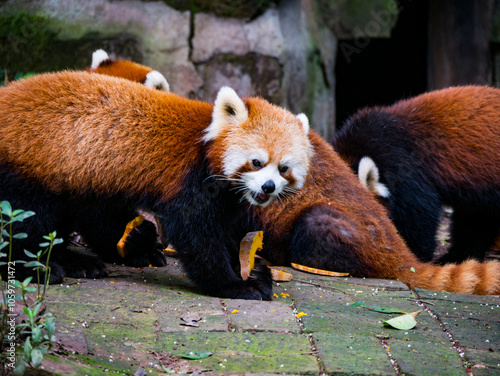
{"x": 144, "y": 235}
{"x": 334, "y": 223}
{"x": 439, "y": 148}
{"x": 103, "y": 64}
{"x": 114, "y": 146}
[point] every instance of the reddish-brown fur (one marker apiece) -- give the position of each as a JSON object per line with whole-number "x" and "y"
{"x": 372, "y": 238}
{"x": 122, "y": 128}
{"x": 362, "y": 224}
{"x": 462, "y": 145}
{"x": 88, "y": 150}
{"x": 124, "y": 69}
{"x": 439, "y": 148}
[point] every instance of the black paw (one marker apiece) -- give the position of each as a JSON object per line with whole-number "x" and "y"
{"x": 262, "y": 279}
{"x": 57, "y": 273}
{"x": 259, "y": 286}
{"x": 141, "y": 247}
{"x": 154, "y": 257}
{"x": 83, "y": 266}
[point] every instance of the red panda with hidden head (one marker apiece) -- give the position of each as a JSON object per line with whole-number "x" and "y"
{"x": 85, "y": 151}
{"x": 103, "y": 64}
{"x": 439, "y": 148}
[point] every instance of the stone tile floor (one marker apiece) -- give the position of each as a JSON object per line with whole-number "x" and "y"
{"x": 130, "y": 323}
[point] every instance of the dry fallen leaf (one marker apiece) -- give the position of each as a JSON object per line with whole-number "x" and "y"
{"x": 251, "y": 243}
{"x": 318, "y": 271}
{"x": 170, "y": 252}
{"x": 191, "y": 319}
{"x": 137, "y": 221}
{"x": 280, "y": 275}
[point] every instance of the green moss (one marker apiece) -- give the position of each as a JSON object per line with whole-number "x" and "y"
{"x": 224, "y": 8}
{"x": 23, "y": 40}
{"x": 359, "y": 18}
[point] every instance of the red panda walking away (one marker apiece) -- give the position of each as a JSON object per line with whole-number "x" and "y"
{"x": 439, "y": 148}
{"x": 85, "y": 151}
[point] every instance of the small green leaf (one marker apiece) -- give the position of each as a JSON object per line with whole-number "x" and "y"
{"x": 166, "y": 369}
{"x": 412, "y": 269}
{"x": 196, "y": 355}
{"x": 37, "y": 307}
{"x": 21, "y": 235}
{"x": 57, "y": 241}
{"x": 6, "y": 208}
{"x": 44, "y": 244}
{"x": 33, "y": 264}
{"x": 404, "y": 322}
{"x": 20, "y": 368}
{"x": 29, "y": 254}
{"x": 50, "y": 326}
{"x": 27, "y": 348}
{"x": 27, "y": 281}
{"x": 377, "y": 308}
{"x": 36, "y": 358}
{"x": 21, "y": 217}
{"x": 37, "y": 335}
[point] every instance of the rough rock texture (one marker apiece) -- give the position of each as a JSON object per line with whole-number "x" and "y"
{"x": 360, "y": 19}
{"x": 284, "y": 50}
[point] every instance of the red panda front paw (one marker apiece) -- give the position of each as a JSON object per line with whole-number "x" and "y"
{"x": 154, "y": 258}
{"x": 257, "y": 287}
{"x": 142, "y": 248}
{"x": 262, "y": 279}
{"x": 78, "y": 265}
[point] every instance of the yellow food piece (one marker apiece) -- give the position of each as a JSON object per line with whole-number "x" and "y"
{"x": 120, "y": 246}
{"x": 300, "y": 314}
{"x": 318, "y": 271}
{"x": 235, "y": 311}
{"x": 280, "y": 275}
{"x": 251, "y": 243}
{"x": 170, "y": 252}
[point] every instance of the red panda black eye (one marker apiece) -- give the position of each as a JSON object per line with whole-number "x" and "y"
{"x": 283, "y": 169}
{"x": 256, "y": 163}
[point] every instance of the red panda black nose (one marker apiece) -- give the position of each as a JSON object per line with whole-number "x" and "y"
{"x": 268, "y": 187}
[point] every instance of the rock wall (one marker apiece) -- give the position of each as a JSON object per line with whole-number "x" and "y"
{"x": 286, "y": 54}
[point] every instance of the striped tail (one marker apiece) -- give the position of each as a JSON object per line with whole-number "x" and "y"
{"x": 468, "y": 277}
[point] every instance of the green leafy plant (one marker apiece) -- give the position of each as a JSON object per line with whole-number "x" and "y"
{"x": 37, "y": 328}
{"x": 6, "y": 78}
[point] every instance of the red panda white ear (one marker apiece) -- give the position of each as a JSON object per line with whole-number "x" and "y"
{"x": 98, "y": 57}
{"x": 155, "y": 80}
{"x": 305, "y": 122}
{"x": 369, "y": 176}
{"x": 229, "y": 110}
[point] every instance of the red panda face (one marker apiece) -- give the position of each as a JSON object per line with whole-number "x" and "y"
{"x": 265, "y": 151}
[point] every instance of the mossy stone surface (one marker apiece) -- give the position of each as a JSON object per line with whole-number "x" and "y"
{"x": 224, "y": 8}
